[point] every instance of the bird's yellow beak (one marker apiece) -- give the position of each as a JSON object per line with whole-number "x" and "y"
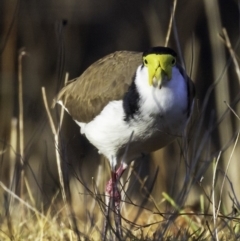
{"x": 159, "y": 66}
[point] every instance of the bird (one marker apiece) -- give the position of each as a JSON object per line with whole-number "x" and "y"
{"x": 128, "y": 104}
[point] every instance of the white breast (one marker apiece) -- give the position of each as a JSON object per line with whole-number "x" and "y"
{"x": 162, "y": 117}
{"x": 169, "y": 103}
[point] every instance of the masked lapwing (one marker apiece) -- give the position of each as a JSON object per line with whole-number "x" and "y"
{"x": 128, "y": 104}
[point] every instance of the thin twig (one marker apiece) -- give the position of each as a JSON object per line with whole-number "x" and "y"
{"x": 232, "y": 53}
{"x": 62, "y": 109}
{"x": 56, "y": 150}
{"x": 22, "y": 201}
{"x": 170, "y": 23}
{"x": 215, "y": 214}
{"x": 48, "y": 112}
{"x": 56, "y": 142}
{"x": 228, "y": 164}
{"x": 233, "y": 111}
{"x": 20, "y": 117}
{"x": 95, "y": 188}
{"x": 143, "y": 187}
{"x": 126, "y": 186}
{"x": 13, "y": 157}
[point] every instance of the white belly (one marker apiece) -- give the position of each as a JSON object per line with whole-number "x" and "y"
{"x": 110, "y": 134}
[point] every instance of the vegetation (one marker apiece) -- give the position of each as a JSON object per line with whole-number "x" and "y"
{"x": 52, "y": 180}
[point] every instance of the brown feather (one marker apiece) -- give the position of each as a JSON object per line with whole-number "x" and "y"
{"x": 105, "y": 80}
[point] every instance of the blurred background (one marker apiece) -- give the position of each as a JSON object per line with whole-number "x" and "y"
{"x": 68, "y": 36}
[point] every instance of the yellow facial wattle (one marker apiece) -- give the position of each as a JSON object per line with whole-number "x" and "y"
{"x": 159, "y": 66}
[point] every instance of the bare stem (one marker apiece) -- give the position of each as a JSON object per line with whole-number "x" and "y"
{"x": 62, "y": 109}
{"x": 58, "y": 158}
{"x": 20, "y": 118}
{"x": 215, "y": 212}
{"x": 170, "y": 23}
{"x": 232, "y": 53}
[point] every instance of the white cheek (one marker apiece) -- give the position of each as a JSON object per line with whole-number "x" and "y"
{"x": 166, "y": 99}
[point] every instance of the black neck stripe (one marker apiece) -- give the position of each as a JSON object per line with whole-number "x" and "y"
{"x": 131, "y": 101}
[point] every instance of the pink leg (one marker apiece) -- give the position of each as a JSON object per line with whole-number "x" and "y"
{"x": 113, "y": 195}
{"x": 112, "y": 190}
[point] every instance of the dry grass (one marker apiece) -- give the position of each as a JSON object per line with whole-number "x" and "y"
{"x": 145, "y": 218}
{"x": 23, "y": 221}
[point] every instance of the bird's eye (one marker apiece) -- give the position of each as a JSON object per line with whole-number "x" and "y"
{"x": 173, "y": 61}
{"x": 145, "y": 61}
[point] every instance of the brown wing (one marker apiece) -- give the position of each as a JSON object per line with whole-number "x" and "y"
{"x": 105, "y": 80}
